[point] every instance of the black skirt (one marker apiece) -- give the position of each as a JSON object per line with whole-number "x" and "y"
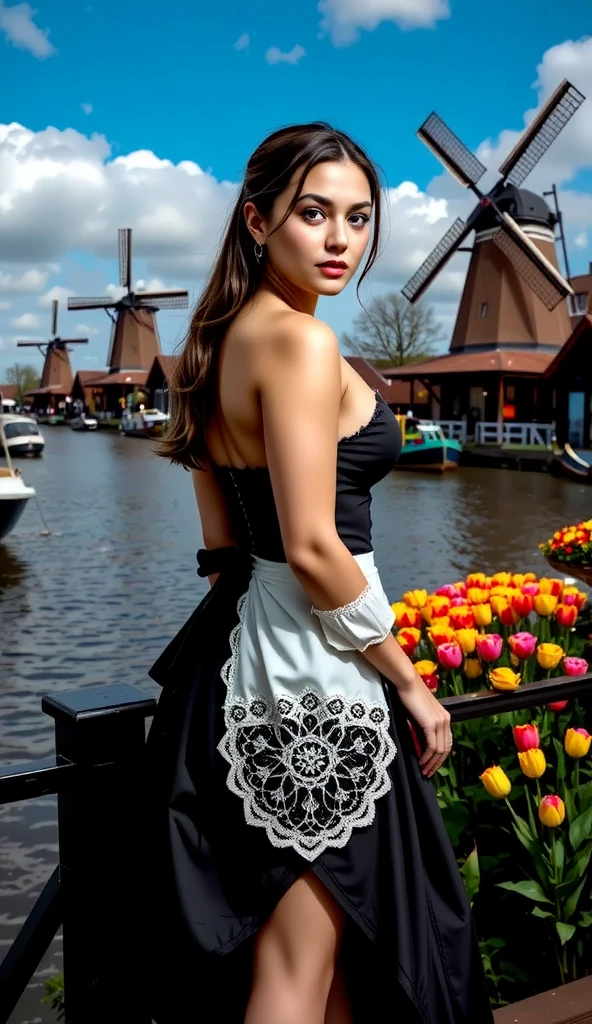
{"x": 410, "y": 953}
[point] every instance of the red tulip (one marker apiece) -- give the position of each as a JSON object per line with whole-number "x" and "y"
{"x": 575, "y": 666}
{"x": 558, "y": 705}
{"x": 566, "y": 614}
{"x": 522, "y": 645}
{"x": 450, "y": 655}
{"x": 489, "y": 646}
{"x": 508, "y": 616}
{"x": 522, "y": 604}
{"x": 462, "y": 618}
{"x": 526, "y": 737}
{"x": 409, "y": 639}
{"x": 448, "y": 590}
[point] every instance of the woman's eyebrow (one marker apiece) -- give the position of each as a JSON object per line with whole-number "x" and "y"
{"x": 323, "y": 201}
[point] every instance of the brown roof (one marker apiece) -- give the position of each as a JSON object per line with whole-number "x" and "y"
{"x": 393, "y": 391}
{"x": 8, "y": 390}
{"x": 51, "y": 389}
{"x": 86, "y": 376}
{"x": 497, "y": 361}
{"x": 585, "y": 324}
{"x": 122, "y": 377}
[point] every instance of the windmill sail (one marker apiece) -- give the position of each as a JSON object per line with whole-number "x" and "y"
{"x": 438, "y": 257}
{"x": 541, "y": 133}
{"x": 528, "y": 261}
{"x": 459, "y": 160}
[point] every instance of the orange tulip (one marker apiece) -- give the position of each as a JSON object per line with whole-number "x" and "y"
{"x": 566, "y": 615}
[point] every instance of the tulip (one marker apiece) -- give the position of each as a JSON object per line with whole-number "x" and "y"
{"x": 519, "y": 579}
{"x": 532, "y": 763}
{"x": 550, "y": 586}
{"x": 558, "y": 705}
{"x": 501, "y": 579}
{"x": 466, "y": 638}
{"x": 549, "y": 655}
{"x": 448, "y": 590}
{"x": 439, "y": 606}
{"x": 478, "y": 579}
{"x": 449, "y": 655}
{"x": 526, "y": 737}
{"x": 530, "y": 588}
{"x": 508, "y": 617}
{"x": 497, "y": 604}
{"x": 482, "y": 614}
{"x": 477, "y": 595}
{"x": 399, "y": 607}
{"x": 580, "y": 600}
{"x": 410, "y": 617}
{"x": 440, "y": 634}
{"x": 415, "y": 598}
{"x": 569, "y": 595}
{"x": 577, "y": 742}
{"x": 461, "y": 618}
{"x": 428, "y": 670}
{"x": 545, "y": 604}
{"x": 496, "y": 782}
{"x": 566, "y": 615}
{"x": 551, "y": 811}
{"x": 504, "y": 679}
{"x": 457, "y": 602}
{"x": 522, "y": 645}
{"x": 472, "y": 668}
{"x": 522, "y": 605}
{"x": 575, "y": 666}
{"x": 489, "y": 646}
{"x": 409, "y": 639}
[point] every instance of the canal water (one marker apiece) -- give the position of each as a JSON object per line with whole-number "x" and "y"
{"x": 97, "y": 600}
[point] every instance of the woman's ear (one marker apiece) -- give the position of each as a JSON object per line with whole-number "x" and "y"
{"x": 255, "y": 223}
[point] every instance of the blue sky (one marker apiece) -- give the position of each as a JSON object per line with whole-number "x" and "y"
{"x": 170, "y": 80}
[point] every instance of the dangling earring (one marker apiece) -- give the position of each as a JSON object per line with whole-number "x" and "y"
{"x": 258, "y": 252}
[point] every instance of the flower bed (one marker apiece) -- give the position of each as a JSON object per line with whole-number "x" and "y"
{"x": 516, "y": 793}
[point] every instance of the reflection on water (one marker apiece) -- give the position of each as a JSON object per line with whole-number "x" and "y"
{"x": 98, "y": 599}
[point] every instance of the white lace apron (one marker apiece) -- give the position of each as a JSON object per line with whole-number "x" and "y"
{"x": 307, "y": 736}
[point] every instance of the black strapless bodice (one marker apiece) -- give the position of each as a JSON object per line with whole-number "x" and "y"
{"x": 363, "y": 459}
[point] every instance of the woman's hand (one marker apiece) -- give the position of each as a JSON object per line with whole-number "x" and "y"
{"x": 433, "y": 720}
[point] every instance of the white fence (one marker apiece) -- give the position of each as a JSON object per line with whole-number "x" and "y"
{"x": 501, "y": 433}
{"x": 456, "y": 429}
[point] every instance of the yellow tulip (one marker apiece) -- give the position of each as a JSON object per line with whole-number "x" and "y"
{"x": 549, "y": 655}
{"x": 476, "y": 579}
{"x": 466, "y": 639}
{"x": 475, "y": 595}
{"x": 532, "y": 762}
{"x": 501, "y": 579}
{"x": 472, "y": 668}
{"x": 426, "y": 668}
{"x": 504, "y": 679}
{"x": 577, "y": 742}
{"x": 519, "y": 579}
{"x": 545, "y": 604}
{"x": 416, "y": 598}
{"x": 550, "y": 586}
{"x": 482, "y": 614}
{"x": 441, "y": 634}
{"x": 551, "y": 811}
{"x": 496, "y": 782}
{"x": 500, "y": 591}
{"x": 398, "y": 608}
{"x": 498, "y": 604}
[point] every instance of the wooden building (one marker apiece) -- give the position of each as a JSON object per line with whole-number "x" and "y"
{"x": 569, "y": 376}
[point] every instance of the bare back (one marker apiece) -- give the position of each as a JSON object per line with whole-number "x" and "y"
{"x": 241, "y": 369}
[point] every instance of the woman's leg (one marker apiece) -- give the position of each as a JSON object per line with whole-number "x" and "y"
{"x": 296, "y": 952}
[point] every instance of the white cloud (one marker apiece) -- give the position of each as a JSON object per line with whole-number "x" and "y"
{"x": 4, "y": 306}
{"x": 57, "y": 292}
{"x": 87, "y": 108}
{"x": 581, "y": 240}
{"x": 29, "y": 281}
{"x": 19, "y": 28}
{"x": 154, "y": 285}
{"x": 26, "y": 322}
{"x": 342, "y": 19}
{"x": 243, "y": 42}
{"x": 86, "y": 329}
{"x": 275, "y": 56}
{"x": 115, "y": 291}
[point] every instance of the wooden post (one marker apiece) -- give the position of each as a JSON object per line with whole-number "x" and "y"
{"x": 101, "y": 823}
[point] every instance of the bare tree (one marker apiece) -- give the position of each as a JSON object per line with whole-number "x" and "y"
{"x": 392, "y": 332}
{"x": 24, "y": 378}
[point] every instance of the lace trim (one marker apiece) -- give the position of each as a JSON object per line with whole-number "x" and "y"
{"x": 368, "y": 424}
{"x": 335, "y": 613}
{"x": 308, "y": 768}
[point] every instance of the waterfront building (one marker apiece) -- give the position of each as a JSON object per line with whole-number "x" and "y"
{"x": 54, "y": 395}
{"x": 569, "y": 375}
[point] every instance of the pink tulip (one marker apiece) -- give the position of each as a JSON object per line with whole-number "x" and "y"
{"x": 489, "y": 646}
{"x": 523, "y": 645}
{"x": 558, "y": 705}
{"x": 575, "y": 666}
{"x": 450, "y": 655}
{"x": 530, "y": 588}
{"x": 448, "y": 590}
{"x": 457, "y": 602}
{"x": 569, "y": 598}
{"x": 526, "y": 737}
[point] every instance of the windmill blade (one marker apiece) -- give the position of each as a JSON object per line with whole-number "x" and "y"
{"x": 528, "y": 261}
{"x": 125, "y": 258}
{"x": 54, "y": 316}
{"x": 170, "y": 301}
{"x": 451, "y": 151}
{"x": 541, "y": 133}
{"x": 74, "y": 341}
{"x": 95, "y": 303}
{"x": 173, "y": 293}
{"x": 432, "y": 266}
{"x": 30, "y": 344}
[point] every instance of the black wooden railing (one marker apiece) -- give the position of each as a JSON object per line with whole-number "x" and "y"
{"x": 98, "y": 775}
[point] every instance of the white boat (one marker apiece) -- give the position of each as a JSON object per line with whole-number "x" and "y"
{"x": 84, "y": 422}
{"x": 22, "y": 435}
{"x": 14, "y": 493}
{"x": 145, "y": 423}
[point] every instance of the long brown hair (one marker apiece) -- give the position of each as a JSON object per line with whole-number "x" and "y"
{"x": 237, "y": 273}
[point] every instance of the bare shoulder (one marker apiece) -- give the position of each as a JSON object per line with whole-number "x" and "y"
{"x": 295, "y": 340}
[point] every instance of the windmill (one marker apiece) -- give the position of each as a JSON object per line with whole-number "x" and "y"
{"x": 513, "y": 285}
{"x": 57, "y": 377}
{"x": 134, "y": 334}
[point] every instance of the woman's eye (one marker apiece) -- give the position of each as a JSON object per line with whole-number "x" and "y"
{"x": 306, "y": 213}
{"x": 361, "y": 219}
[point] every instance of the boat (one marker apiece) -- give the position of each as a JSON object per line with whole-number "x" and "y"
{"x": 14, "y": 493}
{"x": 144, "y": 423}
{"x": 84, "y": 422}
{"x": 22, "y": 435}
{"x": 574, "y": 465}
{"x": 426, "y": 447}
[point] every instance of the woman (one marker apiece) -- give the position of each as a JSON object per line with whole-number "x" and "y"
{"x": 305, "y": 876}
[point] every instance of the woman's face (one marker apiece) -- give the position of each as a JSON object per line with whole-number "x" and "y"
{"x": 319, "y": 247}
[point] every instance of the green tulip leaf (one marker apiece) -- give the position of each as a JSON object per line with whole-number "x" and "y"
{"x": 578, "y": 864}
{"x": 585, "y": 919}
{"x": 560, "y": 759}
{"x": 471, "y": 875}
{"x": 585, "y": 796}
{"x": 564, "y": 931}
{"x": 581, "y": 829}
{"x": 535, "y": 849}
{"x": 559, "y": 855}
{"x": 537, "y": 912}
{"x": 532, "y": 890}
{"x": 571, "y": 902}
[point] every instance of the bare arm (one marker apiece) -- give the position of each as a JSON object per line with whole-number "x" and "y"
{"x": 300, "y": 391}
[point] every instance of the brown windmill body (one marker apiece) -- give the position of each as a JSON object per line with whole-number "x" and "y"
{"x": 53, "y": 395}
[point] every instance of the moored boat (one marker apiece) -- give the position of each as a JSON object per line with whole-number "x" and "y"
{"x": 575, "y": 465}
{"x": 145, "y": 423}
{"x": 84, "y": 422}
{"x": 14, "y": 493}
{"x": 22, "y": 435}
{"x": 426, "y": 447}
